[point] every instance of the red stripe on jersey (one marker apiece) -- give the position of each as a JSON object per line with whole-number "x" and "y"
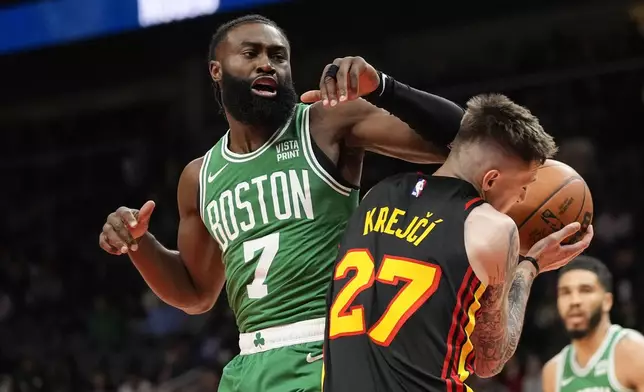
{"x": 469, "y": 203}
{"x": 461, "y": 336}
{"x": 476, "y": 284}
{"x": 460, "y": 318}
{"x": 451, "y": 354}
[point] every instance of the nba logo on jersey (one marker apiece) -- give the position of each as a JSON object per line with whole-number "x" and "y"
{"x": 418, "y": 189}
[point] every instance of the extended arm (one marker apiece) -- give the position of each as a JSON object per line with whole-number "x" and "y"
{"x": 363, "y": 125}
{"x": 405, "y": 122}
{"x": 498, "y": 326}
{"x": 192, "y": 277}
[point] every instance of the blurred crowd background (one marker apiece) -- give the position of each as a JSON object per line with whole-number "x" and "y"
{"x": 92, "y": 118}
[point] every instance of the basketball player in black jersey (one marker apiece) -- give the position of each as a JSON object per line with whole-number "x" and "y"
{"x": 428, "y": 286}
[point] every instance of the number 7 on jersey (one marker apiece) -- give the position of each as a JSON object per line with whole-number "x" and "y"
{"x": 268, "y": 246}
{"x": 421, "y": 282}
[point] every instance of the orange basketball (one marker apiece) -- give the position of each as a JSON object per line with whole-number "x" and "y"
{"x": 559, "y": 197}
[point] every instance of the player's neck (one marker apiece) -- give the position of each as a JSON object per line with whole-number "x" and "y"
{"x": 245, "y": 138}
{"x": 451, "y": 168}
{"x": 586, "y": 347}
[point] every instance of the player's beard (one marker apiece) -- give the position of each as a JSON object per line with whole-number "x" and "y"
{"x": 251, "y": 109}
{"x": 593, "y": 322}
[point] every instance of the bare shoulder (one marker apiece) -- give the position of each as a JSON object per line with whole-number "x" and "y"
{"x": 491, "y": 238}
{"x": 188, "y": 188}
{"x": 550, "y": 367}
{"x": 549, "y": 374}
{"x": 630, "y": 349}
{"x": 629, "y": 360}
{"x": 192, "y": 169}
{"x": 487, "y": 217}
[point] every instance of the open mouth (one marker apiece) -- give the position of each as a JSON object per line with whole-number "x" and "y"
{"x": 265, "y": 86}
{"x": 575, "y": 317}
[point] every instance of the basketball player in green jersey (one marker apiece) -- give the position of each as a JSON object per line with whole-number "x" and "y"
{"x": 264, "y": 209}
{"x": 603, "y": 357}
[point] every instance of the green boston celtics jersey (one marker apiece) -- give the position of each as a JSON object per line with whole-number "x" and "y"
{"x": 599, "y": 373}
{"x": 278, "y": 217}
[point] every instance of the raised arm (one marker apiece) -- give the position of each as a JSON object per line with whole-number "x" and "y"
{"x": 409, "y": 124}
{"x": 189, "y": 279}
{"x": 492, "y": 243}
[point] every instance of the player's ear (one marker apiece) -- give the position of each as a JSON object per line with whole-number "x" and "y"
{"x": 607, "y": 302}
{"x": 215, "y": 70}
{"x": 489, "y": 178}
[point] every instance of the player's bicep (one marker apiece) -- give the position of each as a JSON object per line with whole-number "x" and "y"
{"x": 199, "y": 252}
{"x": 378, "y": 131}
{"x": 492, "y": 247}
{"x": 201, "y": 256}
{"x": 359, "y": 124}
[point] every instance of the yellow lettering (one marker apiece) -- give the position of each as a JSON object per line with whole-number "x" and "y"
{"x": 368, "y": 221}
{"x": 400, "y": 234}
{"x": 382, "y": 219}
{"x": 412, "y": 235}
{"x": 393, "y": 219}
{"x": 427, "y": 231}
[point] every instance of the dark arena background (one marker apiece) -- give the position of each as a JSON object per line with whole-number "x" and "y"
{"x": 103, "y": 102}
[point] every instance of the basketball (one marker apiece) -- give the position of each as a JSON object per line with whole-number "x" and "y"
{"x": 558, "y": 197}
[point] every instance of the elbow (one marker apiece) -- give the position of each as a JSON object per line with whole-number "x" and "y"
{"x": 194, "y": 304}
{"x": 195, "y": 310}
{"x": 199, "y": 307}
{"x": 487, "y": 374}
{"x": 487, "y": 370}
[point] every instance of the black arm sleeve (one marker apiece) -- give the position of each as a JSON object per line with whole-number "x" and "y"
{"x": 434, "y": 118}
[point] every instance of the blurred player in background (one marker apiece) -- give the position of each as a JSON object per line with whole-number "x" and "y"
{"x": 428, "y": 286}
{"x": 264, "y": 209}
{"x": 602, "y": 357}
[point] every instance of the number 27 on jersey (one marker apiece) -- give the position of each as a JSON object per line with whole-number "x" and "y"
{"x": 421, "y": 281}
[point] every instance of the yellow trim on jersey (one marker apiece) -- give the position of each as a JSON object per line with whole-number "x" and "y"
{"x": 322, "y": 381}
{"x": 463, "y": 374}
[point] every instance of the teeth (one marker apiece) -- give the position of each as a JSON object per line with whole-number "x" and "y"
{"x": 263, "y": 87}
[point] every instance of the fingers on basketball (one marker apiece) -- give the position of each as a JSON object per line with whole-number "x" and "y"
{"x": 556, "y": 199}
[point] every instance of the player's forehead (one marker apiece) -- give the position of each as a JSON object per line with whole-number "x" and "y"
{"x": 256, "y": 34}
{"x": 577, "y": 278}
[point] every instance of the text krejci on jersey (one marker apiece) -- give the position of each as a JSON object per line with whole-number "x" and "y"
{"x": 380, "y": 220}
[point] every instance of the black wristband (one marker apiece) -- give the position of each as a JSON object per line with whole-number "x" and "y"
{"x": 532, "y": 260}
{"x": 434, "y": 118}
{"x": 375, "y": 95}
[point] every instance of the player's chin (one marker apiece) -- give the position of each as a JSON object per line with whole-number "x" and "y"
{"x": 577, "y": 330}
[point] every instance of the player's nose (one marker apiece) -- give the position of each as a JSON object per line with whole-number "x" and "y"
{"x": 265, "y": 67}
{"x": 575, "y": 301}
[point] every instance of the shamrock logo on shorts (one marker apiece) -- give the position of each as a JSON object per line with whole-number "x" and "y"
{"x": 259, "y": 340}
